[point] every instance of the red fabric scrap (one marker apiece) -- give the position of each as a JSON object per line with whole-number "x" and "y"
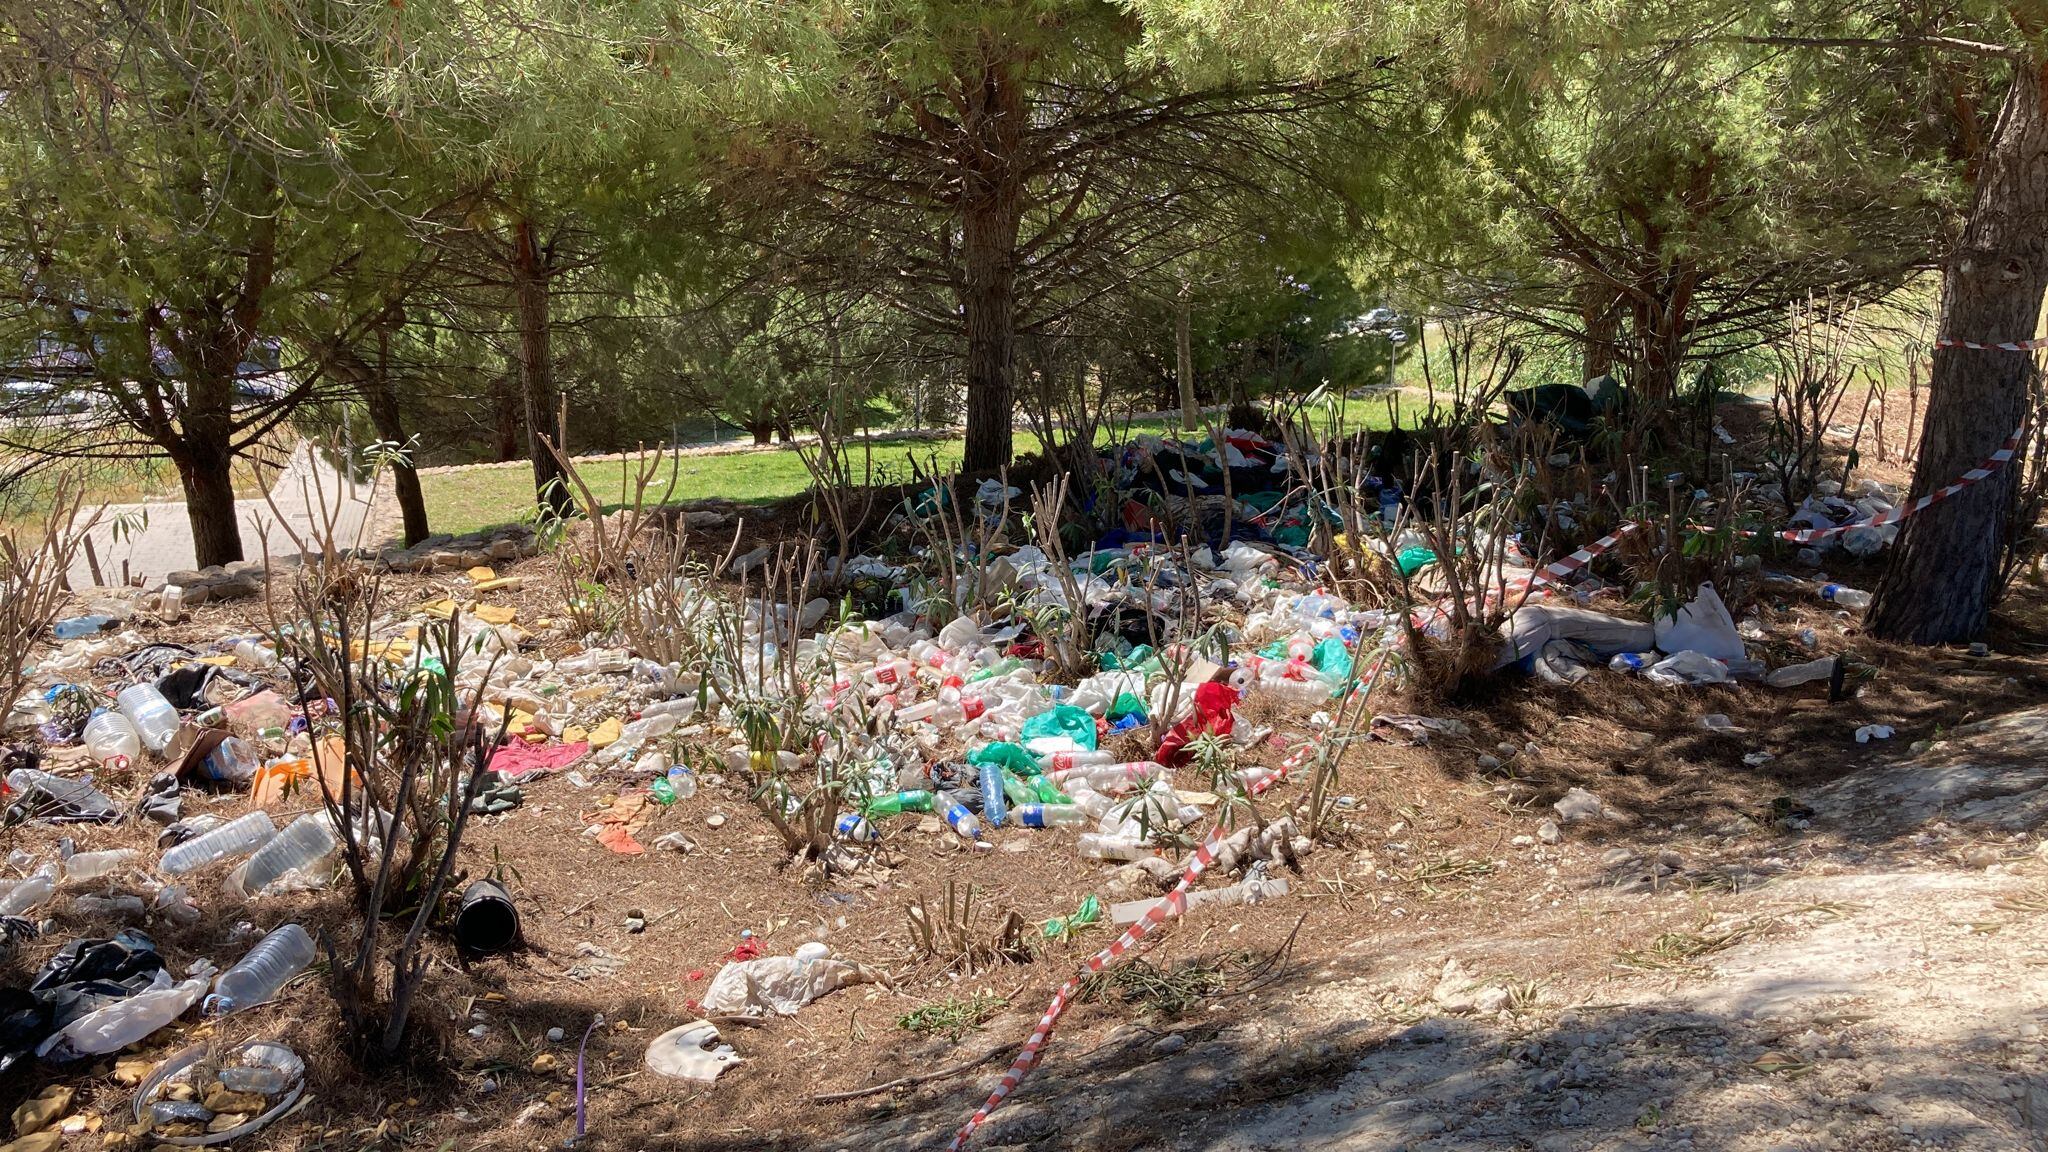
{"x": 519, "y": 762}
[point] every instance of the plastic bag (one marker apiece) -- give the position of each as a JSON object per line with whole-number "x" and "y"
{"x": 1062, "y": 720}
{"x": 1682, "y": 668}
{"x": 1703, "y": 626}
{"x": 1006, "y": 755}
{"x": 1213, "y": 716}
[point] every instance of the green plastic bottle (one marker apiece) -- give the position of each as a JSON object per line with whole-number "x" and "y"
{"x": 896, "y": 803}
{"x": 1001, "y": 667}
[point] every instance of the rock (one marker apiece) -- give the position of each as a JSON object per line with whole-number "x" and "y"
{"x": 504, "y": 550}
{"x": 1979, "y": 857}
{"x": 226, "y": 1120}
{"x": 545, "y": 1062}
{"x": 1455, "y": 991}
{"x": 1523, "y": 841}
{"x": 47, "y": 1141}
{"x": 706, "y": 518}
{"x": 556, "y": 1035}
{"x": 1168, "y": 1044}
{"x": 741, "y": 565}
{"x": 235, "y": 589}
{"x": 1423, "y": 1032}
{"x": 1488, "y": 762}
{"x": 42, "y": 1110}
{"x": 1549, "y": 832}
{"x": 1579, "y": 804}
{"x": 220, "y": 1099}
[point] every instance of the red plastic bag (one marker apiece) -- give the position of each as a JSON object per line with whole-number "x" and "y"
{"x": 1212, "y": 716}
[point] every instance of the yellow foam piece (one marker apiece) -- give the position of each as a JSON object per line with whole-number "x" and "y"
{"x": 495, "y": 613}
{"x": 480, "y": 573}
{"x": 606, "y": 734}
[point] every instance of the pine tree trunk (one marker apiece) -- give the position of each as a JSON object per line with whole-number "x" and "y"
{"x": 1184, "y": 360}
{"x": 991, "y": 211}
{"x": 1943, "y": 574}
{"x": 382, "y": 402}
{"x": 207, "y": 475}
{"x": 536, "y": 362}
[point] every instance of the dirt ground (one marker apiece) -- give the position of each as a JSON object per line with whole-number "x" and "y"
{"x": 1748, "y": 954}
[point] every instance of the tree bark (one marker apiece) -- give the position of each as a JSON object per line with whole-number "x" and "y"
{"x": 530, "y": 273}
{"x": 991, "y": 212}
{"x": 1603, "y": 326}
{"x": 1943, "y": 575}
{"x": 1184, "y": 359}
{"x": 206, "y": 472}
{"x": 382, "y": 401}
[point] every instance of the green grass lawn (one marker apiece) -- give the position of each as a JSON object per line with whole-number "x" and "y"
{"x": 467, "y": 500}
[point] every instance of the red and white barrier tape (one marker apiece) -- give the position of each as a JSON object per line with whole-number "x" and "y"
{"x": 1169, "y": 906}
{"x": 1570, "y": 566}
{"x": 1989, "y": 467}
{"x": 2001, "y": 346}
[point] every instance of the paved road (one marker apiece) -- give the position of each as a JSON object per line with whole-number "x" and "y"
{"x": 163, "y": 541}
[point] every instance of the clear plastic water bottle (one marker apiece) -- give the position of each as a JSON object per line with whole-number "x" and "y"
{"x": 993, "y": 804}
{"x": 682, "y": 781}
{"x": 23, "y": 895}
{"x": 853, "y": 826}
{"x": 84, "y": 867}
{"x": 154, "y": 719}
{"x": 1854, "y": 599}
{"x": 1050, "y": 815}
{"x": 1097, "y": 846}
{"x": 258, "y": 976}
{"x": 304, "y": 842}
{"x": 957, "y": 815}
{"x": 237, "y": 836}
{"x": 109, "y": 736}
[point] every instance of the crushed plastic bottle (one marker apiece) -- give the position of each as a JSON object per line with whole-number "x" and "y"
{"x": 1050, "y": 815}
{"x": 993, "y": 805}
{"x": 257, "y": 977}
{"x": 79, "y": 627}
{"x": 915, "y": 800}
{"x": 956, "y": 814}
{"x": 1632, "y": 661}
{"x": 17, "y": 897}
{"x": 85, "y": 867}
{"x": 854, "y": 826}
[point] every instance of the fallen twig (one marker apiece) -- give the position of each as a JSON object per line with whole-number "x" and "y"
{"x": 911, "y": 1081}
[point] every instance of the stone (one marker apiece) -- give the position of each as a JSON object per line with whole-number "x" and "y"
{"x": 42, "y": 1110}
{"x": 1979, "y": 857}
{"x": 1579, "y": 804}
{"x": 1549, "y": 832}
{"x": 220, "y": 1099}
{"x": 556, "y": 1035}
{"x": 46, "y": 1141}
{"x": 1168, "y": 1044}
{"x": 238, "y": 588}
{"x": 504, "y": 550}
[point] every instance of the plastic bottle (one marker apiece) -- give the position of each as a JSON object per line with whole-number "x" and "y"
{"x": 917, "y": 713}
{"x": 1097, "y": 846}
{"x": 126, "y": 1022}
{"x": 304, "y": 842}
{"x": 109, "y": 737}
{"x": 79, "y": 627}
{"x": 1632, "y": 661}
{"x": 1050, "y": 815}
{"x": 232, "y": 761}
{"x": 22, "y": 895}
{"x": 253, "y": 654}
{"x": 888, "y": 673}
{"x": 1107, "y": 777}
{"x": 682, "y": 781}
{"x": 1000, "y": 668}
{"x": 84, "y": 867}
{"x": 916, "y": 800}
{"x": 170, "y": 603}
{"x": 1078, "y": 758}
{"x": 234, "y": 838}
{"x": 853, "y": 826}
{"x": 993, "y": 805}
{"x": 956, "y": 814}
{"x": 1854, "y": 599}
{"x": 258, "y": 976}
{"x": 154, "y": 719}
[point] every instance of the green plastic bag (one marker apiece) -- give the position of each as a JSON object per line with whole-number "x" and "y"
{"x": 1061, "y": 927}
{"x": 1063, "y": 720}
{"x": 1414, "y": 559}
{"x": 1333, "y": 660}
{"x": 1004, "y": 755}
{"x": 1126, "y": 704}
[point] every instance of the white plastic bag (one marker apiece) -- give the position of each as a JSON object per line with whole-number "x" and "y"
{"x": 1703, "y": 626}
{"x": 780, "y": 985}
{"x": 1683, "y": 668}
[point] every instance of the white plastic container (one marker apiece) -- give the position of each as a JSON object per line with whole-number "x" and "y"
{"x": 110, "y": 736}
{"x": 257, "y": 977}
{"x": 154, "y": 719}
{"x": 241, "y": 835}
